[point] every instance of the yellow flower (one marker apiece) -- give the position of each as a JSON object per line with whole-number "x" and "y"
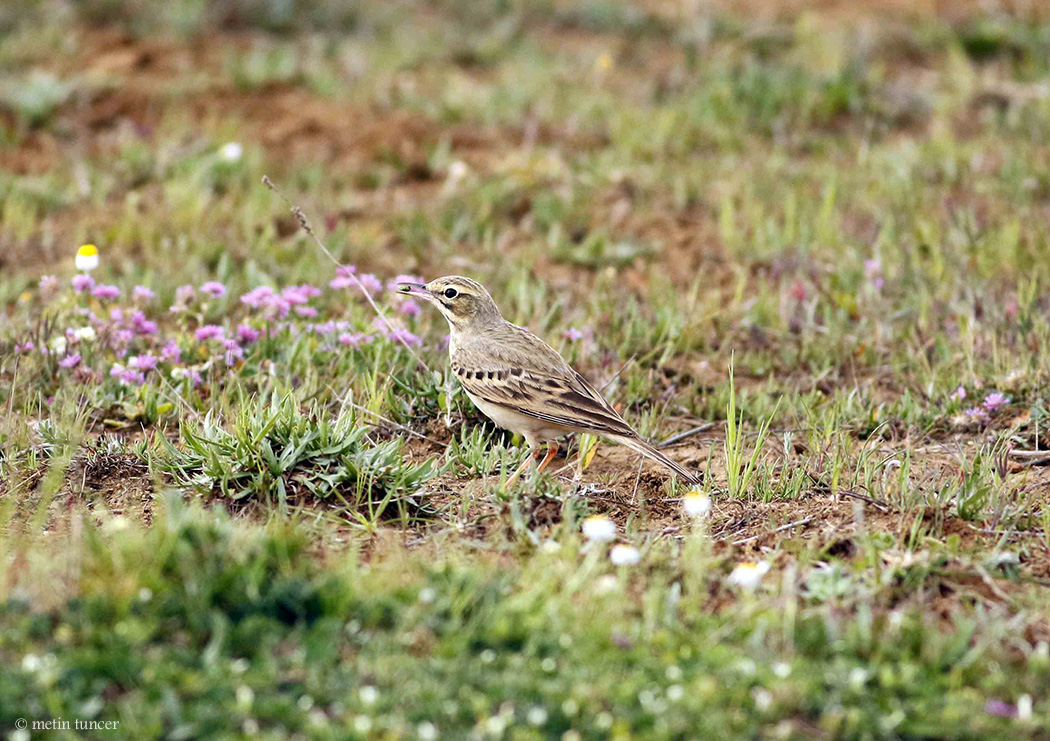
{"x": 604, "y": 62}
{"x": 87, "y": 258}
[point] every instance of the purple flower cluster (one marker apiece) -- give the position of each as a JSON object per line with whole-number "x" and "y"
{"x": 344, "y": 277}
{"x": 48, "y": 286}
{"x": 247, "y": 334}
{"x": 994, "y": 401}
{"x": 127, "y": 376}
{"x": 408, "y": 307}
{"x": 276, "y": 305}
{"x": 136, "y": 350}
{"x": 145, "y": 362}
{"x": 395, "y": 333}
{"x": 171, "y": 352}
{"x": 233, "y": 353}
{"x": 183, "y": 296}
{"x": 355, "y": 339}
{"x": 210, "y": 332}
{"x": 106, "y": 293}
{"x": 214, "y": 289}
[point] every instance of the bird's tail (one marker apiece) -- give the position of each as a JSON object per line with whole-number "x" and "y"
{"x": 641, "y": 446}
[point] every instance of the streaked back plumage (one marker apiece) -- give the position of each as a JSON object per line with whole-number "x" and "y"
{"x": 522, "y": 382}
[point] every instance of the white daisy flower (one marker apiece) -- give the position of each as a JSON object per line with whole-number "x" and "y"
{"x": 696, "y": 504}
{"x": 599, "y": 529}
{"x": 87, "y": 258}
{"x": 231, "y": 151}
{"x": 748, "y": 575}
{"x": 624, "y": 555}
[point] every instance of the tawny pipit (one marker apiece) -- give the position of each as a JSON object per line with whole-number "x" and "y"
{"x": 519, "y": 381}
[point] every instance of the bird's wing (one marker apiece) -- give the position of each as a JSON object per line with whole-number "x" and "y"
{"x": 527, "y": 376}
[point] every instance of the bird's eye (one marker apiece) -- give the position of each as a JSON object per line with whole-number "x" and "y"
{"x": 451, "y": 293}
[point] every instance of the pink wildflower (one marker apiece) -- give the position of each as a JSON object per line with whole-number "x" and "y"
{"x": 403, "y": 336}
{"x": 144, "y": 363}
{"x": 257, "y": 297}
{"x": 127, "y": 376}
{"x": 342, "y": 281}
{"x": 355, "y": 339}
{"x": 370, "y": 283}
{"x": 958, "y": 395}
{"x": 70, "y": 361}
{"x": 343, "y": 277}
{"x": 83, "y": 282}
{"x": 976, "y": 415}
{"x": 247, "y": 334}
{"x": 214, "y": 289}
{"x": 572, "y": 334}
{"x": 408, "y": 307}
{"x": 142, "y": 325}
{"x": 183, "y": 296}
{"x": 993, "y": 401}
{"x": 107, "y": 293}
{"x": 141, "y": 293}
{"x": 300, "y": 294}
{"x": 233, "y": 352}
{"x": 1000, "y": 709}
{"x": 171, "y": 352}
{"x": 48, "y": 285}
{"x": 322, "y": 328}
{"x": 120, "y": 340}
{"x": 210, "y": 332}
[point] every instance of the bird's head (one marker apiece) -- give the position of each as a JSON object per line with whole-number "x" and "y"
{"x": 462, "y": 301}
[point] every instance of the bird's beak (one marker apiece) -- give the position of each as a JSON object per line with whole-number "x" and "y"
{"x": 415, "y": 289}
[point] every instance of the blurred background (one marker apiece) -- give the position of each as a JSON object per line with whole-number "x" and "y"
{"x": 662, "y": 139}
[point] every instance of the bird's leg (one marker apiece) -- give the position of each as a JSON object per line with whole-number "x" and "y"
{"x": 552, "y": 450}
{"x": 534, "y": 453}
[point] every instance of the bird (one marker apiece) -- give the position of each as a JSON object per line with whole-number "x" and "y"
{"x": 519, "y": 381}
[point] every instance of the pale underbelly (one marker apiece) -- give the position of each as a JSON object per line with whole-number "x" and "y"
{"x": 534, "y": 430}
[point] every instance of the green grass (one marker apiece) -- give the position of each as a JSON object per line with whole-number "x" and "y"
{"x": 242, "y": 630}
{"x": 809, "y": 252}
